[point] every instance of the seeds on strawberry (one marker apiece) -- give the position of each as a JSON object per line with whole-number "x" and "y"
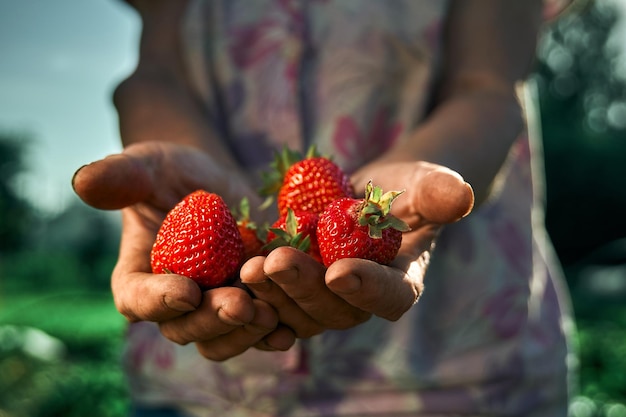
{"x": 311, "y": 184}
{"x": 200, "y": 240}
{"x": 361, "y": 228}
{"x": 306, "y": 183}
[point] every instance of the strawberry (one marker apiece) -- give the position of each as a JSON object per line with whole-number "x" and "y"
{"x": 297, "y": 230}
{"x": 250, "y": 233}
{"x": 306, "y": 183}
{"x": 200, "y": 240}
{"x": 361, "y": 228}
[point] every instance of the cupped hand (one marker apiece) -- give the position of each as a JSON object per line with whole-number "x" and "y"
{"x": 145, "y": 181}
{"x": 310, "y": 298}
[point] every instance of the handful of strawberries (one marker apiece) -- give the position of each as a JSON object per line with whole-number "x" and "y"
{"x": 319, "y": 214}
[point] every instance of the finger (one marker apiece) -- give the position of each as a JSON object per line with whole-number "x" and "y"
{"x": 137, "y": 173}
{"x": 442, "y": 196}
{"x": 253, "y": 276}
{"x": 122, "y": 180}
{"x": 302, "y": 279}
{"x": 114, "y": 182}
{"x": 281, "y": 339}
{"x": 149, "y": 297}
{"x": 433, "y": 193}
{"x": 221, "y": 311}
{"x": 139, "y": 294}
{"x": 242, "y": 337}
{"x": 381, "y": 290}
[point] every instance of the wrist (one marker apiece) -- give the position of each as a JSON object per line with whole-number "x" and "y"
{"x": 469, "y": 133}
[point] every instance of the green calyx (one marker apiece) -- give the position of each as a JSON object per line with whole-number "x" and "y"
{"x": 242, "y": 215}
{"x": 289, "y": 236}
{"x": 375, "y": 212}
{"x": 274, "y": 177}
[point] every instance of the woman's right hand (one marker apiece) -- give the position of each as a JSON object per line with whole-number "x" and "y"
{"x": 145, "y": 181}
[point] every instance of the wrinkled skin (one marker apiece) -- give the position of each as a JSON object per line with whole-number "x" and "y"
{"x": 170, "y": 150}
{"x": 292, "y": 294}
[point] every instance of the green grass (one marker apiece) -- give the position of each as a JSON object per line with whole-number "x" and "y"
{"x": 84, "y": 377}
{"x": 66, "y": 314}
{"x": 602, "y": 355}
{"x": 60, "y": 355}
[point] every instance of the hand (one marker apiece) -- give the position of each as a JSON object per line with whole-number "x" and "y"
{"x": 310, "y": 298}
{"x": 146, "y": 181}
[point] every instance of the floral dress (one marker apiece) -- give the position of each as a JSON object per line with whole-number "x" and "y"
{"x": 489, "y": 336}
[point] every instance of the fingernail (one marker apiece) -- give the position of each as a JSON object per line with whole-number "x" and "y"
{"x": 263, "y": 345}
{"x": 74, "y": 177}
{"x": 285, "y": 276}
{"x": 228, "y": 319}
{"x": 178, "y": 305}
{"x": 348, "y": 284}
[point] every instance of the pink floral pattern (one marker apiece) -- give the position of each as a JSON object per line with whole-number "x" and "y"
{"x": 488, "y": 336}
{"x": 352, "y": 143}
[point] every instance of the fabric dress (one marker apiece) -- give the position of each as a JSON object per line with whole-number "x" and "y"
{"x": 489, "y": 334}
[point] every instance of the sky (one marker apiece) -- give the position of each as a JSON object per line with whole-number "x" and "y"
{"x": 59, "y": 63}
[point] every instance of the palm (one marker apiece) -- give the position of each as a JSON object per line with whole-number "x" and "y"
{"x": 146, "y": 181}
{"x": 309, "y": 298}
{"x": 433, "y": 196}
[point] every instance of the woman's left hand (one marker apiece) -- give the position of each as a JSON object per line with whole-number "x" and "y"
{"x": 310, "y": 298}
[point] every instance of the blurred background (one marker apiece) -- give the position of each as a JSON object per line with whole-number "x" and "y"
{"x": 60, "y": 335}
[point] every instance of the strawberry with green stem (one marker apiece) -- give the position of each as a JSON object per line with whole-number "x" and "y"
{"x": 199, "y": 239}
{"x": 297, "y": 230}
{"x": 305, "y": 183}
{"x": 251, "y": 235}
{"x": 361, "y": 228}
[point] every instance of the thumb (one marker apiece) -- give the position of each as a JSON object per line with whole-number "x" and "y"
{"x": 442, "y": 196}
{"x": 114, "y": 182}
{"x": 161, "y": 173}
{"x": 138, "y": 294}
{"x": 433, "y": 193}
{"x": 142, "y": 296}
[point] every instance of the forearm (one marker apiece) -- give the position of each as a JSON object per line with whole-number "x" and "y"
{"x": 470, "y": 133}
{"x": 154, "y": 107}
{"x": 490, "y": 47}
{"x": 156, "y": 103}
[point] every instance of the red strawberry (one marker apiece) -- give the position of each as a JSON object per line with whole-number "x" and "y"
{"x": 361, "y": 228}
{"x": 297, "y": 230}
{"x": 306, "y": 184}
{"x": 252, "y": 243}
{"x": 199, "y": 239}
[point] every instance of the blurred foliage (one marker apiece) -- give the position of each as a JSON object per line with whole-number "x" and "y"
{"x": 602, "y": 356}
{"x": 582, "y": 97}
{"x": 69, "y": 364}
{"x": 582, "y": 86}
{"x": 15, "y": 212}
{"x": 76, "y": 248}
{"x": 61, "y": 337}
